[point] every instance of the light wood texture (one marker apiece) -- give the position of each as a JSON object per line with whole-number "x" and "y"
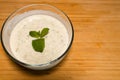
{"x": 95, "y": 53}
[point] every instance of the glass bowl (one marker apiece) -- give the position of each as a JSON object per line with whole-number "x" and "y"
{"x": 9, "y": 25}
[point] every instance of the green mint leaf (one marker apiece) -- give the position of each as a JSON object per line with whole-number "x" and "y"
{"x": 38, "y": 44}
{"x": 34, "y": 34}
{"x": 44, "y": 32}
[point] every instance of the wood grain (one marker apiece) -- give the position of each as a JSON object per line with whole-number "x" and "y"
{"x": 95, "y": 53}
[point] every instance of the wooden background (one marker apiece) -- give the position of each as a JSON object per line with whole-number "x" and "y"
{"x": 95, "y": 53}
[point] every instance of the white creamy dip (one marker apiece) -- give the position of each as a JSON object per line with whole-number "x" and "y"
{"x": 56, "y": 42}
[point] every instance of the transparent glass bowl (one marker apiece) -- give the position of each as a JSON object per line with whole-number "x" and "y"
{"x": 6, "y": 32}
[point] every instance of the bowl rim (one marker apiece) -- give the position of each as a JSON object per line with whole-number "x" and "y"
{"x": 36, "y": 65}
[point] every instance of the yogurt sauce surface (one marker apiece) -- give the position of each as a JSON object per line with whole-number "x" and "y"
{"x": 56, "y": 42}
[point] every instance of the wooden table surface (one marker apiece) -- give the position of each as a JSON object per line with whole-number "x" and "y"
{"x": 95, "y": 53}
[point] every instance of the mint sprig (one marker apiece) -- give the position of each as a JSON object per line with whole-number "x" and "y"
{"x": 39, "y": 43}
